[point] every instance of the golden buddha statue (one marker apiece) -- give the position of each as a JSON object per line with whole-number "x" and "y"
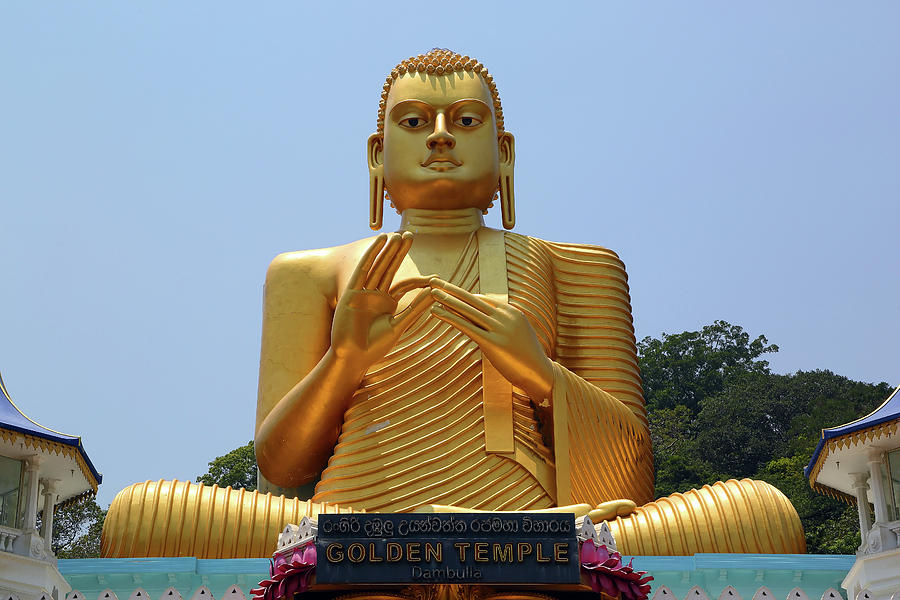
{"x": 448, "y": 366}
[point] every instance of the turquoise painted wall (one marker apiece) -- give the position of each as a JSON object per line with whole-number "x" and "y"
{"x": 712, "y": 572}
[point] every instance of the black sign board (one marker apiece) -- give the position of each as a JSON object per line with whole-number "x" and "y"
{"x": 447, "y": 548}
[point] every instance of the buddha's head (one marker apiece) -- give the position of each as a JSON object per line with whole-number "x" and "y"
{"x": 440, "y": 142}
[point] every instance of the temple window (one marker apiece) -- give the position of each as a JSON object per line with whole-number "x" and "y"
{"x": 890, "y": 471}
{"x": 11, "y": 487}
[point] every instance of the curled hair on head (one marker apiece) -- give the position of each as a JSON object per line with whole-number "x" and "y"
{"x": 439, "y": 61}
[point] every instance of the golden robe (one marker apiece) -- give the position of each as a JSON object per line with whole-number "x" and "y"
{"x": 417, "y": 422}
{"x": 422, "y": 429}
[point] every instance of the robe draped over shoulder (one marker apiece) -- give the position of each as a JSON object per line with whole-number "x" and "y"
{"x": 415, "y": 431}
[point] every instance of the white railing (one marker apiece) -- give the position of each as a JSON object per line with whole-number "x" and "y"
{"x": 8, "y": 537}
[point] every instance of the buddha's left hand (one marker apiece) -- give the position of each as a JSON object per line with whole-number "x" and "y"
{"x": 502, "y": 332}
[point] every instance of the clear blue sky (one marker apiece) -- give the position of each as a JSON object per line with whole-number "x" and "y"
{"x": 744, "y": 160}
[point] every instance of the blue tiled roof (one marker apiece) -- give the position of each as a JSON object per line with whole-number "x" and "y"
{"x": 14, "y": 419}
{"x": 888, "y": 411}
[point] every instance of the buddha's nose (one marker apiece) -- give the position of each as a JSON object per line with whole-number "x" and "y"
{"x": 440, "y": 136}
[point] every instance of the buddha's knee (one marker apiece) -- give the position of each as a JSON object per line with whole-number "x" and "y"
{"x": 180, "y": 518}
{"x": 743, "y": 516}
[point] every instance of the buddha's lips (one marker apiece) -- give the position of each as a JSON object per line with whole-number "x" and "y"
{"x": 443, "y": 160}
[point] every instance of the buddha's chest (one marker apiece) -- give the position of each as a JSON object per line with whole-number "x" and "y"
{"x": 437, "y": 255}
{"x": 451, "y": 258}
{"x": 525, "y": 271}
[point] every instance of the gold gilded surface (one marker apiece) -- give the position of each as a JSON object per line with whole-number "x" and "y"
{"x": 496, "y": 390}
{"x": 181, "y": 518}
{"x": 744, "y": 516}
{"x": 447, "y": 366}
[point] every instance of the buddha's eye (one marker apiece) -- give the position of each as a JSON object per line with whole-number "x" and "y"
{"x": 412, "y": 122}
{"x": 468, "y": 121}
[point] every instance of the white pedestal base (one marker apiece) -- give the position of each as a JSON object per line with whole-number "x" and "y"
{"x": 877, "y": 573}
{"x": 30, "y": 578}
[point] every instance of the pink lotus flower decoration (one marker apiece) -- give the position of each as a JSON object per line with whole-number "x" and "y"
{"x": 608, "y": 574}
{"x": 290, "y": 574}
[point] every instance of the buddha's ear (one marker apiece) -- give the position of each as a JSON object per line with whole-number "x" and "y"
{"x": 507, "y": 147}
{"x": 375, "y": 159}
{"x": 374, "y": 152}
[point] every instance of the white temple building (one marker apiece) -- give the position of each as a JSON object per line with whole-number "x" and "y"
{"x": 40, "y": 469}
{"x": 859, "y": 462}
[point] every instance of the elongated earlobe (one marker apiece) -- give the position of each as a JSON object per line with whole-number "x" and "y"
{"x": 507, "y": 190}
{"x": 507, "y": 202}
{"x": 376, "y": 181}
{"x": 376, "y": 200}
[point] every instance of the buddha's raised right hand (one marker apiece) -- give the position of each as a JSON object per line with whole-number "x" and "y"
{"x": 365, "y": 326}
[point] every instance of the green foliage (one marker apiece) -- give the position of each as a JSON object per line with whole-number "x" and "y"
{"x": 746, "y": 424}
{"x": 716, "y": 412}
{"x": 237, "y": 469}
{"x": 831, "y": 527}
{"x": 828, "y": 400}
{"x": 682, "y": 472}
{"x": 676, "y": 452}
{"x": 683, "y": 368}
{"x": 76, "y": 529}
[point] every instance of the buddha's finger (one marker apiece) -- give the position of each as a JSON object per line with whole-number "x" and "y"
{"x": 401, "y": 287}
{"x": 408, "y": 315}
{"x": 466, "y": 296}
{"x": 406, "y": 241}
{"x": 476, "y": 334}
{"x": 358, "y": 277}
{"x": 607, "y": 511}
{"x": 463, "y": 309}
{"x": 382, "y": 261}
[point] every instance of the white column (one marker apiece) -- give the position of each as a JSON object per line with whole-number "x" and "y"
{"x": 32, "y": 465}
{"x": 877, "y": 487}
{"x": 49, "y": 503}
{"x": 860, "y": 487}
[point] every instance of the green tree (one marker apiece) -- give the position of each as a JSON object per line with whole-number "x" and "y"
{"x": 717, "y": 412}
{"x": 759, "y": 417}
{"x": 831, "y": 527}
{"x": 679, "y": 372}
{"x": 237, "y": 469}
{"x": 746, "y": 425}
{"x": 684, "y": 368}
{"x": 677, "y": 456}
{"x": 828, "y": 400}
{"x": 77, "y": 528}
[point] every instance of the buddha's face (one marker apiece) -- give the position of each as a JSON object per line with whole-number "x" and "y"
{"x": 440, "y": 147}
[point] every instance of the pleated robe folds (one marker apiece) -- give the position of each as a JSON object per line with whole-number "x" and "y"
{"x": 415, "y": 431}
